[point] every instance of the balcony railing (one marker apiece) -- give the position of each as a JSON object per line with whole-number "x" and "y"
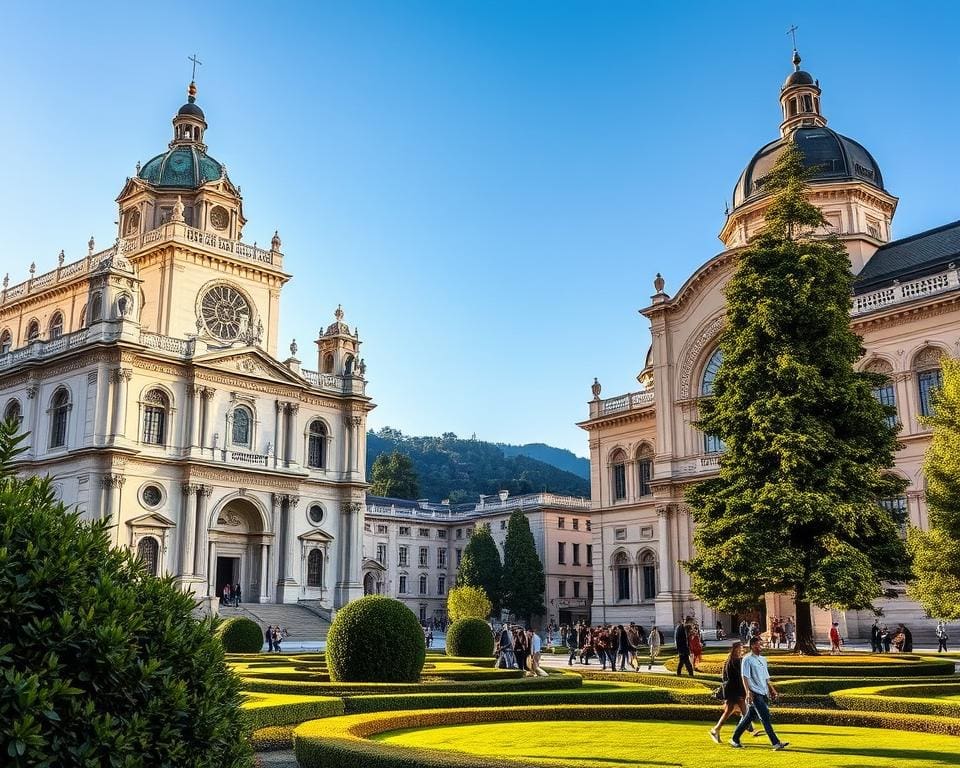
{"x": 179, "y": 347}
{"x": 901, "y": 293}
{"x": 39, "y": 349}
{"x": 61, "y": 274}
{"x": 179, "y": 232}
{"x": 628, "y": 402}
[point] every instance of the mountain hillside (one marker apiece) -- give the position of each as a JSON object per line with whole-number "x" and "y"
{"x": 561, "y": 458}
{"x": 449, "y": 467}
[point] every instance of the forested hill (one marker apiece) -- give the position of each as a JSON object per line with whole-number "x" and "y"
{"x": 561, "y": 458}
{"x": 449, "y": 467}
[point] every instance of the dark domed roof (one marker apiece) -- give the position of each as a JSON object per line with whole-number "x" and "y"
{"x": 182, "y": 166}
{"x": 798, "y": 78}
{"x": 191, "y": 109}
{"x": 832, "y": 156}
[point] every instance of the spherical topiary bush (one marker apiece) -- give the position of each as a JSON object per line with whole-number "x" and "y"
{"x": 238, "y": 634}
{"x": 102, "y": 663}
{"x": 469, "y": 637}
{"x": 375, "y": 640}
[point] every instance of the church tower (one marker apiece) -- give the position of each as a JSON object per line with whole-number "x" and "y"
{"x": 181, "y": 220}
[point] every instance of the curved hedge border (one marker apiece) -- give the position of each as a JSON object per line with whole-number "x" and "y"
{"x": 901, "y": 699}
{"x": 343, "y": 741}
{"x": 265, "y": 710}
{"x": 824, "y": 686}
{"x": 781, "y": 669}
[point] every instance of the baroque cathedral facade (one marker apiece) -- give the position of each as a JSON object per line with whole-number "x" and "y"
{"x": 645, "y": 449}
{"x": 148, "y": 380}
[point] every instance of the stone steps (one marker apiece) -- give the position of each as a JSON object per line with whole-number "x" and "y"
{"x": 303, "y": 625}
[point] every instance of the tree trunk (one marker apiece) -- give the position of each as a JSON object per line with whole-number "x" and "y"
{"x": 806, "y": 642}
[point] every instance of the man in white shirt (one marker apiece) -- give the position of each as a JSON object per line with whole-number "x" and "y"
{"x": 536, "y": 647}
{"x": 756, "y": 682}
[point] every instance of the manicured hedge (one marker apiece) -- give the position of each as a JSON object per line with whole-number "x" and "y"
{"x": 343, "y": 741}
{"x": 375, "y": 639}
{"x": 695, "y": 684}
{"x": 264, "y": 710}
{"x": 780, "y": 668}
{"x": 469, "y": 637}
{"x": 272, "y": 738}
{"x": 238, "y": 634}
{"x": 823, "y": 686}
{"x": 902, "y": 699}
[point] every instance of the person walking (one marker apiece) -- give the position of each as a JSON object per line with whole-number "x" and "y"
{"x": 835, "y": 640}
{"x": 225, "y": 595}
{"x": 790, "y": 632}
{"x": 236, "y": 595}
{"x": 734, "y": 694}
{"x": 521, "y": 650}
{"x": 625, "y": 648}
{"x": 875, "y": 646}
{"x": 277, "y": 638}
{"x": 536, "y": 649}
{"x": 683, "y": 649}
{"x": 885, "y": 638}
{"x": 572, "y": 646}
{"x": 268, "y": 636}
{"x": 654, "y": 641}
{"x": 942, "y": 638}
{"x": 696, "y": 646}
{"x": 505, "y": 661}
{"x": 759, "y": 692}
{"x": 907, "y": 639}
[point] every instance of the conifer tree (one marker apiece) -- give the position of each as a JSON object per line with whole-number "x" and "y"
{"x": 795, "y": 508}
{"x": 393, "y": 475}
{"x": 936, "y": 552}
{"x": 523, "y": 578}
{"x": 480, "y": 565}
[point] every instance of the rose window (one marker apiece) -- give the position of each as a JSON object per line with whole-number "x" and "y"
{"x": 225, "y": 312}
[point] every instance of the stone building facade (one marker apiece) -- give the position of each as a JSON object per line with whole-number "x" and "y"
{"x": 411, "y": 549}
{"x": 644, "y": 447}
{"x": 147, "y": 376}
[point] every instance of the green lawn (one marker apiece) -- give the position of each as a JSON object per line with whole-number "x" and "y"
{"x": 620, "y": 744}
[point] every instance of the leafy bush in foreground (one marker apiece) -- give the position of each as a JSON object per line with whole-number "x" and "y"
{"x": 238, "y": 634}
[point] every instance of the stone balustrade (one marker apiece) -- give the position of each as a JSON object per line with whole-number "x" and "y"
{"x": 179, "y": 347}
{"x": 179, "y": 232}
{"x": 62, "y": 273}
{"x": 628, "y": 402}
{"x": 40, "y": 349}
{"x": 901, "y": 293}
{"x": 467, "y": 512}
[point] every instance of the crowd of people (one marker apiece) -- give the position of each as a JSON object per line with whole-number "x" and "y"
{"x": 519, "y": 648}
{"x": 882, "y": 640}
{"x": 231, "y": 595}
{"x": 274, "y": 635}
{"x": 617, "y": 645}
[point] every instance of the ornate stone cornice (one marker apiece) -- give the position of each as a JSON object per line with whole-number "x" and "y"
{"x": 113, "y": 480}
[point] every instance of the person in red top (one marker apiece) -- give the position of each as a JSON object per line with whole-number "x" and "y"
{"x": 835, "y": 639}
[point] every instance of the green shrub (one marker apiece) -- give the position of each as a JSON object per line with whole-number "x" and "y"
{"x": 265, "y": 710}
{"x": 469, "y": 637}
{"x": 102, "y": 663}
{"x": 272, "y": 738}
{"x": 238, "y": 634}
{"x": 375, "y": 639}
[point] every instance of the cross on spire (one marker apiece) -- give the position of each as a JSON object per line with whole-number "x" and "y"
{"x": 793, "y": 33}
{"x": 195, "y": 61}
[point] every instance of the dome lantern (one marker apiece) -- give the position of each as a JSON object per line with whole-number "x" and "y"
{"x": 189, "y": 123}
{"x": 800, "y": 100}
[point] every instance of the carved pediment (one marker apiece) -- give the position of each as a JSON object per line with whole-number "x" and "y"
{"x": 369, "y": 564}
{"x": 316, "y": 535}
{"x": 151, "y": 520}
{"x": 248, "y": 361}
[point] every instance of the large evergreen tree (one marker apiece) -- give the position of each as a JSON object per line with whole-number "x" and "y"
{"x": 936, "y": 552}
{"x": 393, "y": 475}
{"x": 480, "y": 565}
{"x": 795, "y": 508}
{"x": 523, "y": 579}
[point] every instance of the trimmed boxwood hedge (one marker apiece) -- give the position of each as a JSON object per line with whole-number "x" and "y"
{"x": 264, "y": 710}
{"x": 780, "y": 668}
{"x": 375, "y": 639}
{"x": 272, "y": 738}
{"x": 238, "y": 634}
{"x": 470, "y": 637}
{"x": 902, "y": 699}
{"x": 343, "y": 741}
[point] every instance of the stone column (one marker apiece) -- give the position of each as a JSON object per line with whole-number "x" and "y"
{"x": 287, "y": 583}
{"x": 278, "y": 433}
{"x": 206, "y": 396}
{"x": 203, "y": 495}
{"x": 31, "y": 419}
{"x": 194, "y": 425}
{"x": 212, "y": 569}
{"x": 291, "y": 413}
{"x": 663, "y": 549}
{"x": 188, "y": 529}
{"x": 348, "y": 586}
{"x": 112, "y": 484}
{"x": 122, "y": 378}
{"x": 347, "y": 445}
{"x": 264, "y": 575}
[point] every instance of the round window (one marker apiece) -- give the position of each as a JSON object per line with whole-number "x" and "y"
{"x": 219, "y": 217}
{"x": 315, "y": 513}
{"x": 225, "y": 312}
{"x": 151, "y": 495}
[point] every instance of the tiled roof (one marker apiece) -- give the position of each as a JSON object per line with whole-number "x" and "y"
{"x": 914, "y": 256}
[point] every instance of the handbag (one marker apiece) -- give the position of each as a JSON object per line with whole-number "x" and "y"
{"x": 719, "y": 694}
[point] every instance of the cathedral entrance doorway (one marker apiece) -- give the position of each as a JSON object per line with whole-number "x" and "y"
{"x": 240, "y": 549}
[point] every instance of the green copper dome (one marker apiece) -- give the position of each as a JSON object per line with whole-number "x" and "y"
{"x": 182, "y": 166}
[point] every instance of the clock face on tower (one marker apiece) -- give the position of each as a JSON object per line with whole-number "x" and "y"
{"x": 225, "y": 312}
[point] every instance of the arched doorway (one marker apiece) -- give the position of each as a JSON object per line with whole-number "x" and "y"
{"x": 239, "y": 550}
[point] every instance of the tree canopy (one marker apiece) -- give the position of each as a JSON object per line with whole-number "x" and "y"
{"x": 523, "y": 578}
{"x": 393, "y": 475}
{"x": 936, "y": 551}
{"x": 796, "y": 507}
{"x": 467, "y": 603}
{"x": 480, "y": 565}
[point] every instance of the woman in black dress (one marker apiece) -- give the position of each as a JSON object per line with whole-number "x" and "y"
{"x": 734, "y": 694}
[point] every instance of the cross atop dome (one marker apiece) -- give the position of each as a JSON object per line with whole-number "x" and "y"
{"x": 800, "y": 98}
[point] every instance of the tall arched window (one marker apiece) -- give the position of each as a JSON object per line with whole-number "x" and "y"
{"x": 96, "y": 307}
{"x": 33, "y": 331}
{"x": 149, "y": 552}
{"x": 423, "y": 583}
{"x": 242, "y": 426}
{"x": 644, "y": 470}
{"x": 886, "y": 395}
{"x": 621, "y": 569}
{"x": 13, "y": 412}
{"x": 59, "y": 413}
{"x": 56, "y": 325}
{"x": 315, "y": 568}
{"x": 348, "y": 366}
{"x": 155, "y": 409}
{"x": 317, "y": 445}
{"x": 648, "y": 575}
{"x": 328, "y": 363}
{"x": 83, "y": 317}
{"x": 710, "y": 372}
{"x": 618, "y": 469}
{"x": 6, "y": 341}
{"x": 927, "y": 365}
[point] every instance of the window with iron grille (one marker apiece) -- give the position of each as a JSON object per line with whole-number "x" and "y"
{"x": 155, "y": 417}
{"x": 315, "y": 568}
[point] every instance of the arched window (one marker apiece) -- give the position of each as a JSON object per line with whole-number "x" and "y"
{"x": 648, "y": 575}
{"x": 618, "y": 468}
{"x": 149, "y": 552}
{"x": 897, "y": 508}
{"x": 423, "y": 583}
{"x": 328, "y": 363}
{"x": 83, "y": 317}
{"x": 13, "y": 412}
{"x": 56, "y": 325}
{"x": 315, "y": 568}
{"x": 644, "y": 470}
{"x": 886, "y": 395}
{"x": 242, "y": 423}
{"x": 929, "y": 378}
{"x": 621, "y": 568}
{"x": 96, "y": 308}
{"x": 348, "y": 366}
{"x": 6, "y": 341}
{"x": 317, "y": 445}
{"x": 59, "y": 413}
{"x": 710, "y": 372}
{"x": 33, "y": 331}
{"x": 155, "y": 409}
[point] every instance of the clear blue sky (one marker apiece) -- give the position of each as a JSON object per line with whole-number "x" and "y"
{"x": 487, "y": 187}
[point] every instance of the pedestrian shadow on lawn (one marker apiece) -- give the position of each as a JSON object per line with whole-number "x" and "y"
{"x": 879, "y": 755}
{"x": 602, "y": 761}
